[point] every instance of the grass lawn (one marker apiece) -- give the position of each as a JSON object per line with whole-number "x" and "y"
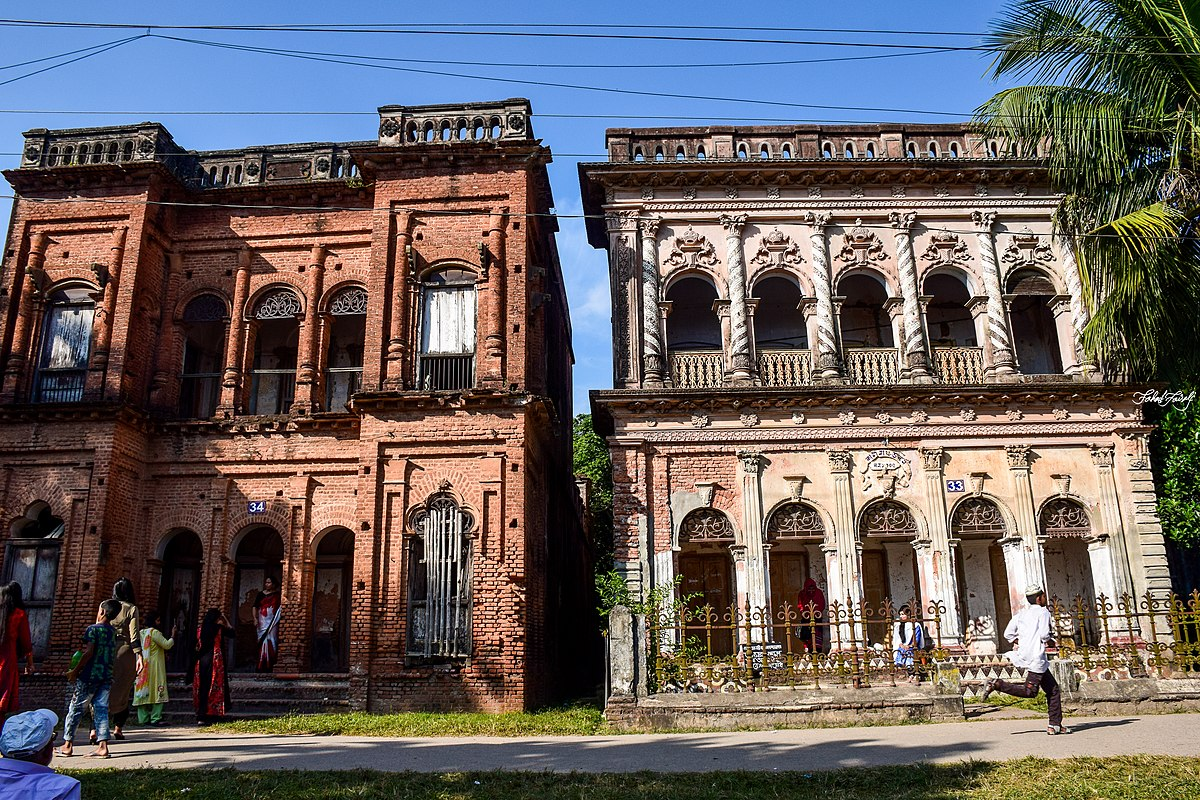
{"x": 1134, "y": 777}
{"x": 573, "y": 720}
{"x": 1008, "y": 701}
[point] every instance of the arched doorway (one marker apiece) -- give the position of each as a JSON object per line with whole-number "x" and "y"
{"x": 1065, "y": 528}
{"x": 259, "y": 556}
{"x": 179, "y": 593}
{"x": 794, "y": 535}
{"x": 886, "y": 531}
{"x": 705, "y": 564}
{"x": 779, "y": 332}
{"x": 331, "y": 602}
{"x": 31, "y": 559}
{"x": 983, "y": 596}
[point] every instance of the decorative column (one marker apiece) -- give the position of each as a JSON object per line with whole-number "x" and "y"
{"x": 398, "y": 346}
{"x": 1111, "y": 527}
{"x": 104, "y": 314}
{"x": 936, "y": 564}
{"x": 308, "y": 375}
{"x": 752, "y": 529}
{"x": 916, "y": 355}
{"x": 231, "y": 379}
{"x": 828, "y": 363}
{"x": 999, "y": 351}
{"x": 741, "y": 368}
{"x": 496, "y": 273}
{"x": 169, "y": 338}
{"x": 1146, "y": 536}
{"x": 1079, "y": 312}
{"x": 1026, "y": 562}
{"x": 654, "y": 366}
{"x": 625, "y": 306}
{"x": 1068, "y": 352}
{"x": 28, "y": 291}
{"x": 845, "y": 540}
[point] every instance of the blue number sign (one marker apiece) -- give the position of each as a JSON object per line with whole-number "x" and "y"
{"x": 256, "y": 506}
{"x": 955, "y": 486}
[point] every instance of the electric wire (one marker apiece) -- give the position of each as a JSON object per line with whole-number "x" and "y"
{"x": 103, "y": 49}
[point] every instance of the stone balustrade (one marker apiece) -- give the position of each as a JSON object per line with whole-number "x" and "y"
{"x": 872, "y": 366}
{"x": 498, "y": 121}
{"x": 698, "y": 369}
{"x": 961, "y": 365}
{"x": 784, "y": 367}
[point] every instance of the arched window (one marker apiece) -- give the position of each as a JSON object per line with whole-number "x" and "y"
{"x": 694, "y": 334}
{"x": 276, "y": 336}
{"x": 911, "y": 150}
{"x": 31, "y": 559}
{"x": 66, "y": 346}
{"x": 795, "y": 521}
{"x": 700, "y": 153}
{"x": 705, "y": 525}
{"x": 658, "y": 154}
{"x": 764, "y": 151}
{"x": 933, "y": 149}
{"x": 439, "y": 581}
{"x": 864, "y": 320}
{"x": 952, "y": 330}
{"x": 849, "y": 151}
{"x": 1034, "y": 332}
{"x": 347, "y": 338}
{"x": 448, "y": 310}
{"x": 827, "y": 150}
{"x": 785, "y": 151}
{"x": 203, "y": 351}
{"x": 977, "y": 517}
{"x": 870, "y": 151}
{"x": 743, "y": 151}
{"x": 778, "y": 321}
{"x": 887, "y": 518}
{"x": 954, "y": 149}
{"x": 680, "y": 154}
{"x": 637, "y": 155}
{"x": 1063, "y": 518}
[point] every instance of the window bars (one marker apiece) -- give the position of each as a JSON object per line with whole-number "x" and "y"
{"x": 439, "y": 603}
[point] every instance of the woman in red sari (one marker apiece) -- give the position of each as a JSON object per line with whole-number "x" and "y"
{"x": 15, "y": 644}
{"x": 811, "y": 604}
{"x": 210, "y": 684}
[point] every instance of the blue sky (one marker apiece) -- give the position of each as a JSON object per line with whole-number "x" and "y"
{"x": 151, "y": 76}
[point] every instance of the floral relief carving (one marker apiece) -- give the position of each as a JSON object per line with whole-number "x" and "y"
{"x": 691, "y": 249}
{"x": 772, "y": 192}
{"x": 700, "y": 420}
{"x": 814, "y": 191}
{"x": 1061, "y": 413}
{"x": 1018, "y": 455}
{"x": 1104, "y": 412}
{"x": 856, "y": 191}
{"x": 968, "y": 415}
{"x": 839, "y": 460}
{"x": 1027, "y": 249}
{"x": 899, "y": 190}
{"x": 848, "y": 417}
{"x": 946, "y": 249}
{"x": 777, "y": 249}
{"x": 689, "y": 193}
{"x": 883, "y": 417}
{"x": 941, "y": 191}
{"x": 647, "y": 193}
{"x": 861, "y": 246}
{"x": 731, "y": 192}
{"x": 1014, "y": 414}
{"x": 920, "y": 416}
{"x": 749, "y": 420}
{"x": 798, "y": 418}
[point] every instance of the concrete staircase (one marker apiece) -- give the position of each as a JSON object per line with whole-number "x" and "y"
{"x": 254, "y": 696}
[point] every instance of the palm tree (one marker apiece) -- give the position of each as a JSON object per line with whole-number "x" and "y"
{"x": 1114, "y": 105}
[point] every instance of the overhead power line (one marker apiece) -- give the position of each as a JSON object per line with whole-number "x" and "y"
{"x": 92, "y": 51}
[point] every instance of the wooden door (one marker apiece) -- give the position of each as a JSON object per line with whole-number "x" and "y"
{"x": 875, "y": 592}
{"x": 707, "y": 575}
{"x": 788, "y": 572}
{"x": 1000, "y": 596}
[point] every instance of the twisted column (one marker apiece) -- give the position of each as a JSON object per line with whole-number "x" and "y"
{"x": 916, "y": 358}
{"x": 1079, "y": 312}
{"x": 654, "y": 368}
{"x": 828, "y": 361}
{"x": 999, "y": 341}
{"x": 742, "y": 363}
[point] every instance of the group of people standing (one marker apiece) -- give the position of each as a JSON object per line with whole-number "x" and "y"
{"x": 121, "y": 664}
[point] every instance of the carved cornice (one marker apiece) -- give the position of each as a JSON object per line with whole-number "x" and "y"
{"x": 865, "y": 435}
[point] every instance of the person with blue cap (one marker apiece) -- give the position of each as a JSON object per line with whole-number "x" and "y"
{"x": 27, "y": 744}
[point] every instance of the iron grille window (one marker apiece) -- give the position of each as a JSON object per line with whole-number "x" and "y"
{"x": 795, "y": 520}
{"x": 448, "y": 314}
{"x": 344, "y": 360}
{"x": 887, "y": 518}
{"x": 1065, "y": 519}
{"x": 66, "y": 347}
{"x": 203, "y": 350}
{"x": 706, "y": 525}
{"x": 273, "y": 376}
{"x": 439, "y": 581}
{"x": 977, "y": 517}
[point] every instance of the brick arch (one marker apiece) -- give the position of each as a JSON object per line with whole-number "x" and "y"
{"x": 197, "y": 522}
{"x": 342, "y": 514}
{"x": 44, "y": 491}
{"x": 427, "y": 487}
{"x": 827, "y": 520}
{"x": 271, "y": 282}
{"x": 278, "y": 516}
{"x": 332, "y": 291}
{"x": 192, "y": 294}
{"x": 452, "y": 262}
{"x": 168, "y": 535}
{"x": 75, "y": 277}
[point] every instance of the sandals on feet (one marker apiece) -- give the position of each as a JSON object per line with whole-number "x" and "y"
{"x": 1055, "y": 730}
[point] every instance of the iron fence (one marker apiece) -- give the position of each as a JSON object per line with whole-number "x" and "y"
{"x": 858, "y": 644}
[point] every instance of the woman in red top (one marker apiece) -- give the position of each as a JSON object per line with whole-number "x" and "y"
{"x": 15, "y": 644}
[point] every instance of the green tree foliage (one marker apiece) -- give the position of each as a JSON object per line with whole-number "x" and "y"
{"x": 592, "y": 461}
{"x": 1176, "y": 449}
{"x": 1113, "y": 103}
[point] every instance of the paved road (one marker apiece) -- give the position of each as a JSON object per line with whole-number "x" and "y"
{"x": 1173, "y": 734}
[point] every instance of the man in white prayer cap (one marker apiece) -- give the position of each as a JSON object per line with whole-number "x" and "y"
{"x": 27, "y": 744}
{"x": 1031, "y": 631}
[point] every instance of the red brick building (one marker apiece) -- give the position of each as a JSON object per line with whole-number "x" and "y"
{"x": 343, "y": 365}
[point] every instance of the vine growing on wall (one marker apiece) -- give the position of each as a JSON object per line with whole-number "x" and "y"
{"x": 591, "y": 460}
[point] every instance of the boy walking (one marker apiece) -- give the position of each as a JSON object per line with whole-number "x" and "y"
{"x": 93, "y": 677}
{"x": 1031, "y": 631}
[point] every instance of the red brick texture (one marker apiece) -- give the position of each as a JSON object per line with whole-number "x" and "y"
{"x": 125, "y": 473}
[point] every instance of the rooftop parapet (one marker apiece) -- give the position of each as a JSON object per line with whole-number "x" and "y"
{"x": 503, "y": 120}
{"x": 802, "y": 142}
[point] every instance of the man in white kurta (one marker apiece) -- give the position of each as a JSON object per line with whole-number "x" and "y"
{"x": 1031, "y": 630}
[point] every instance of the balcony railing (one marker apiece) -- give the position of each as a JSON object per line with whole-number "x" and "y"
{"x": 958, "y": 364}
{"x": 443, "y": 372}
{"x": 872, "y": 366}
{"x": 784, "y": 367}
{"x": 697, "y": 369}
{"x": 61, "y": 385}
